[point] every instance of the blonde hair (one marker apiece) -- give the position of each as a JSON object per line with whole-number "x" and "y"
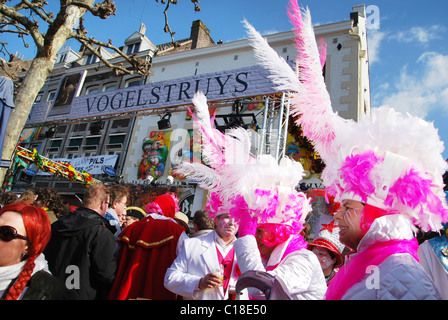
{"x": 95, "y": 194}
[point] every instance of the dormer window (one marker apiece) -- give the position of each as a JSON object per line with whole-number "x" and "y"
{"x": 133, "y": 48}
{"x": 91, "y": 58}
{"x": 62, "y": 57}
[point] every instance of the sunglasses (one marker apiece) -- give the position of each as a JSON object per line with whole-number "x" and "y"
{"x": 8, "y": 233}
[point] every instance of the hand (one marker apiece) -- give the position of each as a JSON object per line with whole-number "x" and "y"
{"x": 211, "y": 280}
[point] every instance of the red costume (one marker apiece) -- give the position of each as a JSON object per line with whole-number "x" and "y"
{"x": 148, "y": 248}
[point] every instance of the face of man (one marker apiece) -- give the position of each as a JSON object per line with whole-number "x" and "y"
{"x": 265, "y": 250}
{"x": 348, "y": 219}
{"x": 226, "y": 226}
{"x": 103, "y": 207}
{"x": 120, "y": 209}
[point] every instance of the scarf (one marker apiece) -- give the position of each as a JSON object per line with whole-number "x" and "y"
{"x": 353, "y": 272}
{"x": 296, "y": 243}
{"x": 9, "y": 273}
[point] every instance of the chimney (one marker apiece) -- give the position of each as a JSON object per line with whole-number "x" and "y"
{"x": 142, "y": 28}
{"x": 200, "y": 35}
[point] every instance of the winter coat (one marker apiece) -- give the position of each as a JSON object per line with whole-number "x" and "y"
{"x": 81, "y": 251}
{"x": 299, "y": 271}
{"x": 197, "y": 258}
{"x": 147, "y": 249}
{"x": 399, "y": 276}
{"x": 434, "y": 260}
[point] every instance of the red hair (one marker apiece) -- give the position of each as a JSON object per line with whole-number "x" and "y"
{"x": 38, "y": 230}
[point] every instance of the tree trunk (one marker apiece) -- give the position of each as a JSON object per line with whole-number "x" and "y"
{"x": 34, "y": 80}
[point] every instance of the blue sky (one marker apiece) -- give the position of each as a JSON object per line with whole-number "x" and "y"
{"x": 408, "y": 52}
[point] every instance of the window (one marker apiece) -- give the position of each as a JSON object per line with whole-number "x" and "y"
{"x": 120, "y": 123}
{"x": 52, "y": 155}
{"x": 116, "y": 139}
{"x": 92, "y": 90}
{"x": 55, "y": 143}
{"x": 73, "y": 145}
{"x": 93, "y": 141}
{"x": 38, "y": 98}
{"x": 51, "y": 96}
{"x": 80, "y": 127}
{"x": 71, "y": 155}
{"x": 54, "y": 146}
{"x": 109, "y": 87}
{"x": 118, "y": 153}
{"x": 89, "y": 154}
{"x": 133, "y": 48}
{"x": 62, "y": 57}
{"x": 132, "y": 82}
{"x": 61, "y": 129}
{"x": 91, "y": 58}
{"x": 75, "y": 142}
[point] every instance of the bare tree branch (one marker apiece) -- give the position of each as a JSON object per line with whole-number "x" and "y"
{"x": 28, "y": 24}
{"x": 167, "y": 27}
{"x": 140, "y": 65}
{"x": 37, "y": 8}
{"x": 102, "y": 10}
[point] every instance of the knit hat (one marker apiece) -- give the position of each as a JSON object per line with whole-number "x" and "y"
{"x": 391, "y": 161}
{"x": 165, "y": 204}
{"x": 328, "y": 238}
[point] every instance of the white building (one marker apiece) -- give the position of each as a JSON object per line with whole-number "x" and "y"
{"x": 102, "y": 114}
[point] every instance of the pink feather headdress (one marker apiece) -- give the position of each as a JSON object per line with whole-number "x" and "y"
{"x": 239, "y": 182}
{"x": 389, "y": 160}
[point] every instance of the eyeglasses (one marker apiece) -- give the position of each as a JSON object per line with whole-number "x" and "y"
{"x": 8, "y": 233}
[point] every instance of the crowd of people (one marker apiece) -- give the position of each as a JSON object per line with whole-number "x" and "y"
{"x": 377, "y": 231}
{"x": 81, "y": 255}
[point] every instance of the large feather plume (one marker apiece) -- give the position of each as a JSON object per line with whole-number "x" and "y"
{"x": 415, "y": 189}
{"x": 311, "y": 100}
{"x": 309, "y": 96}
{"x": 233, "y": 175}
{"x": 280, "y": 71}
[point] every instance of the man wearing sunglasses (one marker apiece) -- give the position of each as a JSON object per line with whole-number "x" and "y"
{"x": 84, "y": 241}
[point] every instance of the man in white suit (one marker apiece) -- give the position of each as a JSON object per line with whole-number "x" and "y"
{"x": 206, "y": 267}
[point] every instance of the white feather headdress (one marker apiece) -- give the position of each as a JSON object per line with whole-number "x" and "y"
{"x": 239, "y": 181}
{"x": 391, "y": 161}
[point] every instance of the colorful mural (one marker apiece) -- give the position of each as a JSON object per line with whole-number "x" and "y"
{"x": 161, "y": 154}
{"x": 155, "y": 154}
{"x": 300, "y": 149}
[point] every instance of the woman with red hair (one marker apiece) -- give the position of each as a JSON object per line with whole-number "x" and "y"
{"x": 24, "y": 232}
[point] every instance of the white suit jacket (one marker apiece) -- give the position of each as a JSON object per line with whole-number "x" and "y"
{"x": 197, "y": 258}
{"x": 300, "y": 271}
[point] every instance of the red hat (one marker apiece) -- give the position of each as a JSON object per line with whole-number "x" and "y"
{"x": 328, "y": 238}
{"x": 165, "y": 204}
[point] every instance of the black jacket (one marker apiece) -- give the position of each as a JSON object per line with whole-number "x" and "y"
{"x": 81, "y": 252}
{"x": 44, "y": 286}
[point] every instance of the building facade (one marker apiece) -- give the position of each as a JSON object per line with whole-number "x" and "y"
{"x": 135, "y": 130}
